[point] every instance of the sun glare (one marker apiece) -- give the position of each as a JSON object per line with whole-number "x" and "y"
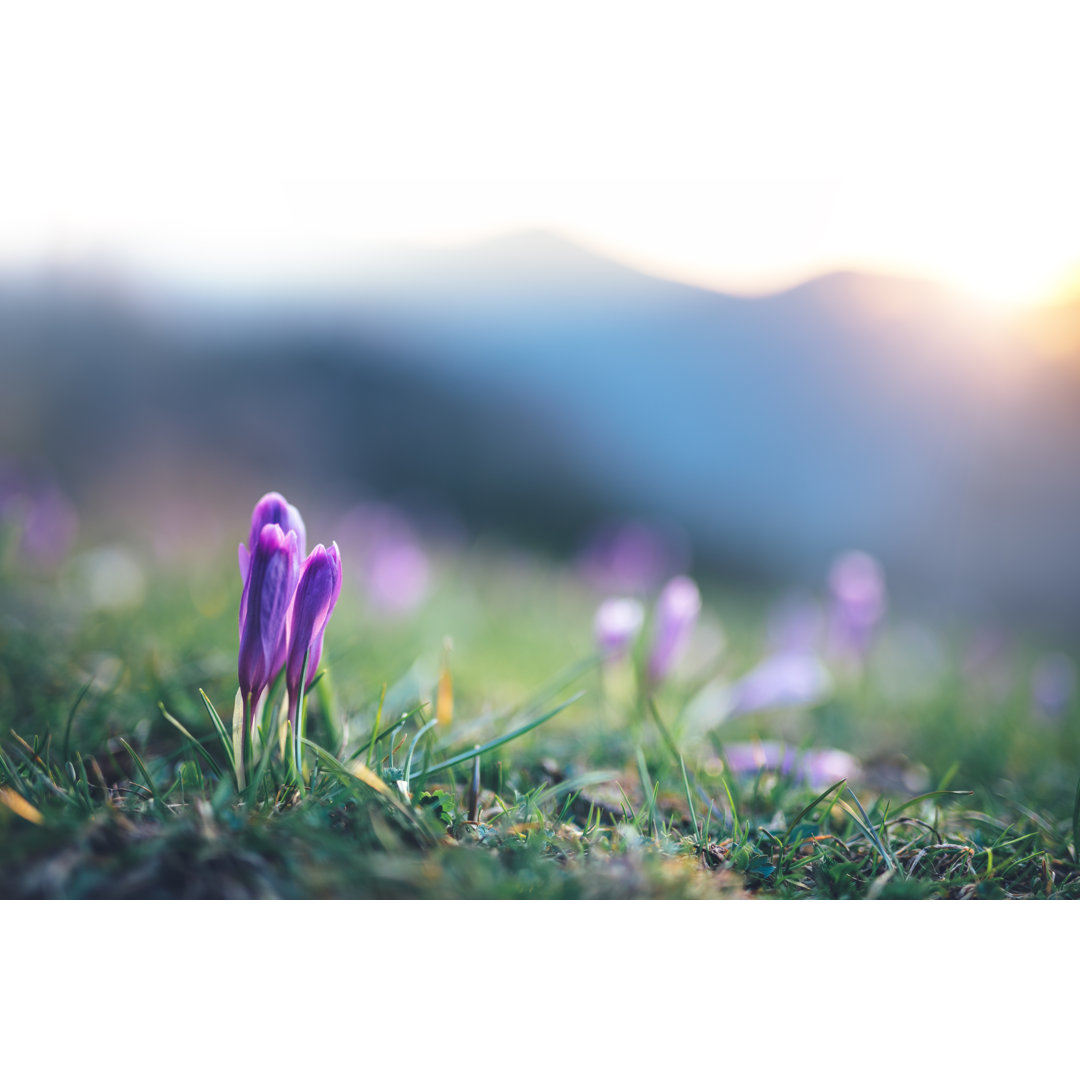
{"x": 1015, "y": 247}
{"x": 760, "y": 150}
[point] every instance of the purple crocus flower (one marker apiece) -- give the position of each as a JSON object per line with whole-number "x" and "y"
{"x": 857, "y": 584}
{"x": 314, "y": 600}
{"x": 395, "y": 570}
{"x": 783, "y": 680}
{"x": 44, "y": 521}
{"x": 632, "y": 556}
{"x": 398, "y": 572}
{"x": 676, "y": 614}
{"x": 273, "y": 569}
{"x": 618, "y": 621}
{"x": 816, "y": 768}
{"x": 272, "y": 509}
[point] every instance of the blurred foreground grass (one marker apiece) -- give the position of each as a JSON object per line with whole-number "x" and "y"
{"x": 614, "y": 796}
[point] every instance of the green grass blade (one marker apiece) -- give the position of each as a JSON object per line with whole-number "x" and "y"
{"x": 810, "y": 806}
{"x": 71, "y": 717}
{"x": 375, "y": 728}
{"x": 412, "y": 748}
{"x": 468, "y": 755}
{"x": 647, "y": 786}
{"x": 379, "y": 736}
{"x": 144, "y": 772}
{"x": 929, "y": 795}
{"x": 866, "y": 826}
{"x": 85, "y": 790}
{"x": 387, "y": 792}
{"x": 575, "y": 784}
{"x": 689, "y": 800}
{"x": 12, "y": 775}
{"x": 191, "y": 738}
{"x": 669, "y": 742}
{"x": 219, "y": 727}
{"x": 37, "y": 770}
{"x": 734, "y": 809}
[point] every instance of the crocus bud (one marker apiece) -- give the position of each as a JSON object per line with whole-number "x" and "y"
{"x": 272, "y": 509}
{"x": 268, "y": 590}
{"x": 617, "y": 623}
{"x": 677, "y": 610}
{"x": 316, "y": 595}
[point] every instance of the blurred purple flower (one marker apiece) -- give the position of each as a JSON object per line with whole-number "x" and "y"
{"x": 44, "y": 521}
{"x": 674, "y": 619}
{"x": 857, "y": 584}
{"x": 1053, "y": 684}
{"x": 815, "y": 768}
{"x": 49, "y": 528}
{"x": 618, "y": 621}
{"x": 273, "y": 569}
{"x": 313, "y": 602}
{"x": 396, "y": 571}
{"x": 632, "y": 557}
{"x": 272, "y": 509}
{"x": 781, "y": 681}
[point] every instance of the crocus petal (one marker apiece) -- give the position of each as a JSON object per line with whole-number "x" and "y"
{"x": 268, "y": 592}
{"x": 677, "y": 610}
{"x": 317, "y": 639}
{"x": 243, "y": 557}
{"x": 316, "y": 594}
{"x": 820, "y": 768}
{"x": 781, "y": 681}
{"x": 617, "y": 623}
{"x": 273, "y": 509}
{"x": 752, "y": 757}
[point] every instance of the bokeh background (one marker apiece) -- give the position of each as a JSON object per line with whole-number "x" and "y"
{"x": 697, "y": 289}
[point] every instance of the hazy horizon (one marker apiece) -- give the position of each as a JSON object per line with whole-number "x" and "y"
{"x": 743, "y": 151}
{"x": 399, "y": 261}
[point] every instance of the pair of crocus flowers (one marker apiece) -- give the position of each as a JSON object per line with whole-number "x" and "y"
{"x": 619, "y": 620}
{"x": 286, "y": 602}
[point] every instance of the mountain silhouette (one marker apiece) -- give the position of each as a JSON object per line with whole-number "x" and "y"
{"x": 541, "y": 388}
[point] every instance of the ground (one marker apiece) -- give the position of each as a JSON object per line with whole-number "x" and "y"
{"x": 114, "y": 782}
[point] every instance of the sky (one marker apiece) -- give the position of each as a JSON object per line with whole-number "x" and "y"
{"x": 740, "y": 146}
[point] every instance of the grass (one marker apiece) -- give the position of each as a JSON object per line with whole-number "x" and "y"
{"x": 555, "y": 777}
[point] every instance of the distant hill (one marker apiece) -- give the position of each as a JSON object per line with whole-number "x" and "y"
{"x": 540, "y": 388}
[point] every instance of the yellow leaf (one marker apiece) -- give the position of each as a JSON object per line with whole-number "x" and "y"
{"x": 444, "y": 698}
{"x": 372, "y": 779}
{"x": 18, "y": 805}
{"x": 524, "y": 828}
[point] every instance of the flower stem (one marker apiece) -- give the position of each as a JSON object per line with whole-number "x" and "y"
{"x": 298, "y": 726}
{"x": 245, "y": 745}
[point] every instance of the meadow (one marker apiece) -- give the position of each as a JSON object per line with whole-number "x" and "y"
{"x": 505, "y": 736}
